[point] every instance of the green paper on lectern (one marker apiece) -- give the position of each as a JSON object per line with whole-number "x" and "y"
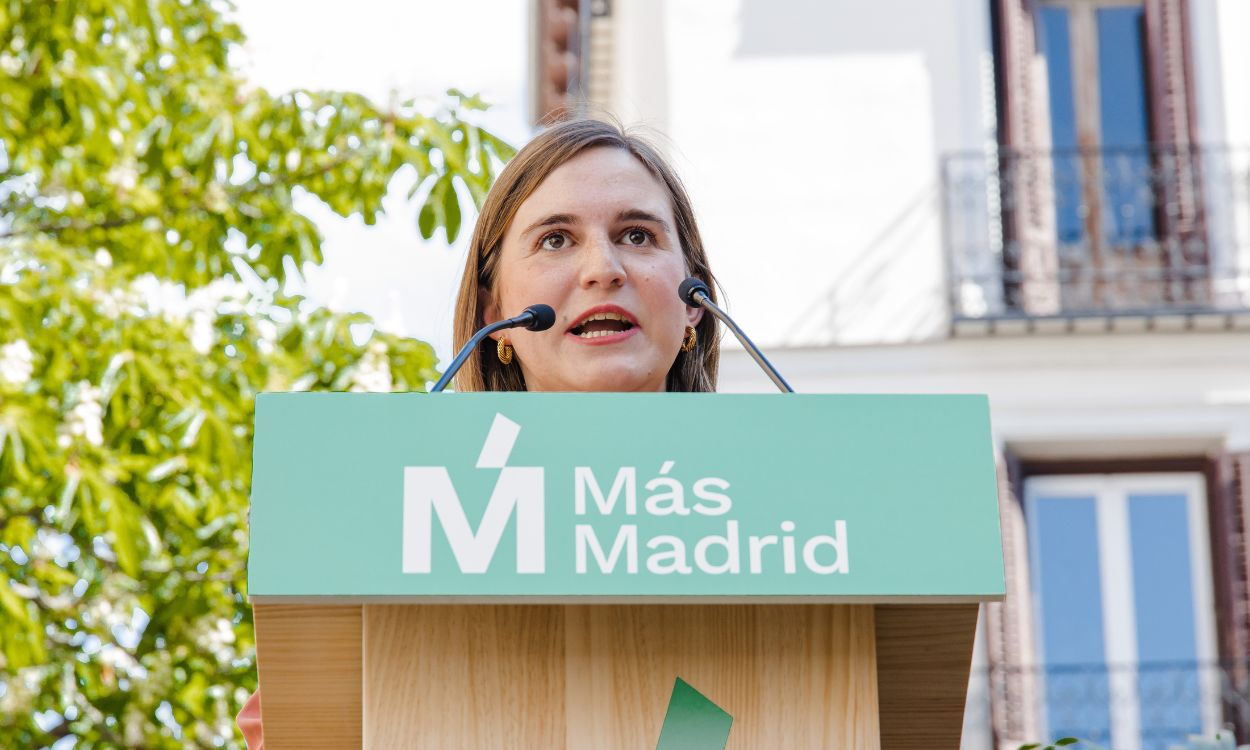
{"x": 693, "y": 722}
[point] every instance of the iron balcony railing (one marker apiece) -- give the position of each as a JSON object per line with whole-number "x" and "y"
{"x": 1099, "y": 232}
{"x": 1151, "y": 705}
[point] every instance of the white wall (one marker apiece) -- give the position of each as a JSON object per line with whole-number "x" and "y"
{"x": 1054, "y": 396}
{"x": 1222, "y": 96}
{"x": 1233, "y": 28}
{"x": 809, "y": 133}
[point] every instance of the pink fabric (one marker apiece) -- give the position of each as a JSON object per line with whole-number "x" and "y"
{"x": 249, "y": 723}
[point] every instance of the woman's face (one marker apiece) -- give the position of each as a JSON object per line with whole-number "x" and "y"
{"x": 596, "y": 241}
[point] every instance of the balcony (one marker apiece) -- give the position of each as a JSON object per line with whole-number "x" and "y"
{"x": 1110, "y": 233}
{"x": 1152, "y": 705}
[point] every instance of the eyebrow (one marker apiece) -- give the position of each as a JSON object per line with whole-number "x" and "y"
{"x": 551, "y": 220}
{"x": 637, "y": 214}
{"x": 629, "y": 214}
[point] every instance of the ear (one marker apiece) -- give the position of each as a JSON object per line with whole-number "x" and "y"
{"x": 694, "y": 315}
{"x": 490, "y": 309}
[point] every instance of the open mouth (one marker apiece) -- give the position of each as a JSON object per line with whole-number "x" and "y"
{"x": 600, "y": 324}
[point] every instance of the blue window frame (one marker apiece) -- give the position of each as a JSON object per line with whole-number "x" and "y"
{"x": 1123, "y": 608}
{"x": 1095, "y": 54}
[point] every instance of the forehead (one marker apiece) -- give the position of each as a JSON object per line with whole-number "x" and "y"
{"x": 596, "y": 183}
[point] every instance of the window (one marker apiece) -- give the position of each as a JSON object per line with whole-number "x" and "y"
{"x": 1099, "y": 179}
{"x": 1095, "y": 55}
{"x": 1122, "y": 601}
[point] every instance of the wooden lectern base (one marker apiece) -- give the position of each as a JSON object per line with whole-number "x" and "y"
{"x": 593, "y": 677}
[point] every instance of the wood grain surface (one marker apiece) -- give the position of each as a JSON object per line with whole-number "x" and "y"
{"x": 308, "y": 659}
{"x": 792, "y": 676}
{"x": 924, "y": 653}
{"x": 600, "y": 676}
{"x": 595, "y": 677}
{"x": 481, "y": 676}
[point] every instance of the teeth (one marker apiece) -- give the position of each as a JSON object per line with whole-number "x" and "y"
{"x": 606, "y": 316}
{"x": 603, "y": 316}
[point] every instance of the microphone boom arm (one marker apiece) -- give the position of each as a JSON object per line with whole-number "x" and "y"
{"x": 468, "y": 349}
{"x": 535, "y": 318}
{"x": 707, "y": 304}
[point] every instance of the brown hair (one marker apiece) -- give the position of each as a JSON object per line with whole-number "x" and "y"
{"x": 692, "y": 371}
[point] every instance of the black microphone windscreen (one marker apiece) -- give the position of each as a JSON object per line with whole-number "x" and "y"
{"x": 688, "y": 288}
{"x": 544, "y": 317}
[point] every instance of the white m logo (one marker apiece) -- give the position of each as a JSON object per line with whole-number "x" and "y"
{"x": 428, "y": 491}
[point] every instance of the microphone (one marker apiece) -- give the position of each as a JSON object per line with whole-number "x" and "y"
{"x": 696, "y": 294}
{"x": 535, "y": 318}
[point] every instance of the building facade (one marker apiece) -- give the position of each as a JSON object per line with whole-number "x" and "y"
{"x": 1047, "y": 201}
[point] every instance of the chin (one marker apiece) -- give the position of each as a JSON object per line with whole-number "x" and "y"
{"x": 608, "y": 378}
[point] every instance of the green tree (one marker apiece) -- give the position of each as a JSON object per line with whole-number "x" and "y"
{"x": 147, "y": 234}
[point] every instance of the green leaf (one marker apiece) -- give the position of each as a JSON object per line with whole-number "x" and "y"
{"x": 192, "y": 694}
{"x": 126, "y": 533}
{"x": 11, "y": 603}
{"x": 19, "y": 532}
{"x": 426, "y": 220}
{"x": 451, "y": 210}
{"x": 67, "y": 496}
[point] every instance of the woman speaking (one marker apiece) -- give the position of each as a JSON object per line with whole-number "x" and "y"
{"x": 592, "y": 221}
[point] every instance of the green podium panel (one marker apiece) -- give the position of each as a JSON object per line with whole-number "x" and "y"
{"x": 616, "y": 497}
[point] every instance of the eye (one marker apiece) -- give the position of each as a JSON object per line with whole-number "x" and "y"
{"x": 639, "y": 236}
{"x": 554, "y": 241}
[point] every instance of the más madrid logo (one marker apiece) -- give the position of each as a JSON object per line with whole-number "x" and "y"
{"x": 429, "y": 492}
{"x": 664, "y": 526}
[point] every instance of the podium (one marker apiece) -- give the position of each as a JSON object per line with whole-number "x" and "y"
{"x": 518, "y": 570}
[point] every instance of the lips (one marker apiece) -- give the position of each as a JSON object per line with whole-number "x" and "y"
{"x": 604, "y": 324}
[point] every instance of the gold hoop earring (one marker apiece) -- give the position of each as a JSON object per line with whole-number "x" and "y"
{"x": 504, "y": 350}
{"x": 692, "y": 338}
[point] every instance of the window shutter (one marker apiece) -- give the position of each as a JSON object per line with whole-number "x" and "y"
{"x": 1230, "y": 552}
{"x": 1171, "y": 72}
{"x": 557, "y": 73}
{"x": 1026, "y": 186}
{"x": 1008, "y": 626}
{"x": 1177, "y": 158}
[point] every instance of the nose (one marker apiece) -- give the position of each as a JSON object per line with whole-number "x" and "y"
{"x": 600, "y": 264}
